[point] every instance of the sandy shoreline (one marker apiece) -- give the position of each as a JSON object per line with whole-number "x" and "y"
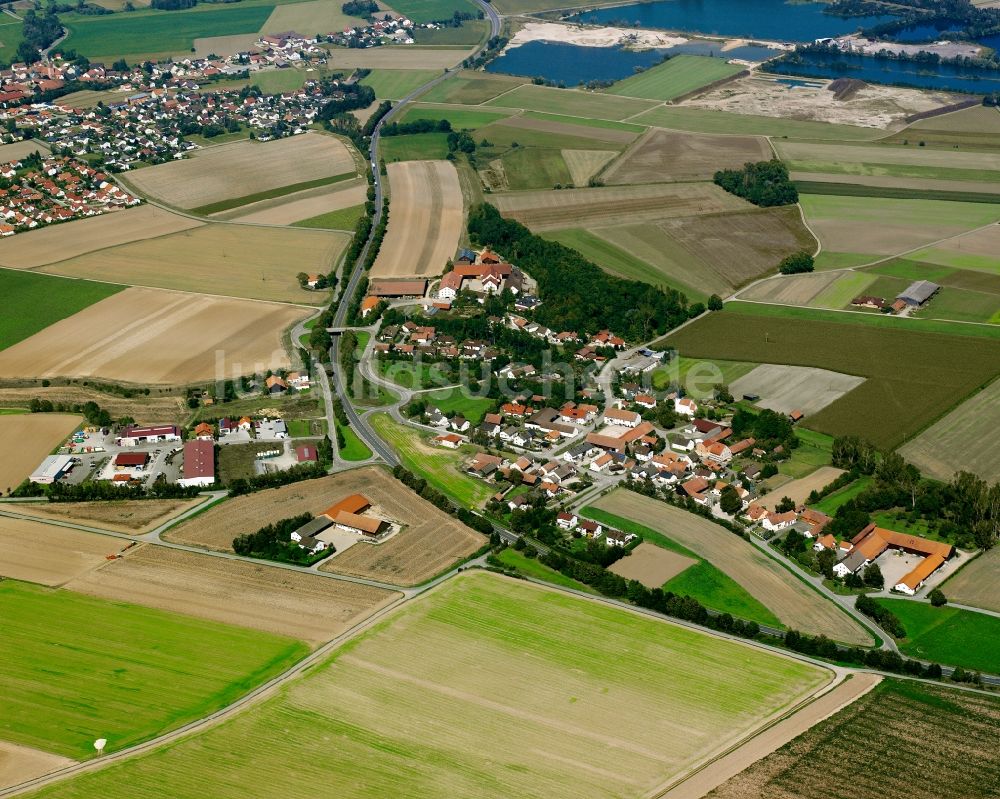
{"x": 594, "y": 37}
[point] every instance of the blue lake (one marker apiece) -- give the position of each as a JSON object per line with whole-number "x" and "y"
{"x": 991, "y": 41}
{"x": 763, "y": 19}
{"x": 573, "y": 64}
{"x": 922, "y": 33}
{"x": 946, "y": 77}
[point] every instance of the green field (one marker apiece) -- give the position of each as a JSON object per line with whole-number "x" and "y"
{"x": 144, "y": 33}
{"x": 275, "y": 81}
{"x": 421, "y": 11}
{"x": 33, "y": 302}
{"x": 912, "y": 376}
{"x": 830, "y": 503}
{"x": 617, "y": 261}
{"x": 893, "y": 192}
{"x": 698, "y": 120}
{"x": 343, "y": 219}
{"x": 952, "y": 636}
{"x": 411, "y": 375}
{"x": 844, "y": 289}
{"x": 471, "y": 88}
{"x": 699, "y": 376}
{"x": 459, "y": 118}
{"x": 441, "y": 468}
{"x": 703, "y": 581}
{"x": 516, "y": 691}
{"x": 471, "y": 32}
{"x": 414, "y": 147}
{"x": 679, "y": 75}
{"x": 530, "y": 567}
{"x": 573, "y": 102}
{"x": 814, "y": 450}
{"x": 936, "y": 741}
{"x": 395, "y": 84}
{"x": 587, "y": 122}
{"x": 76, "y": 668}
{"x": 453, "y": 399}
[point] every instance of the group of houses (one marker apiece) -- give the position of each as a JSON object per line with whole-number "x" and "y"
{"x": 353, "y": 514}
{"x": 387, "y": 30}
{"x": 481, "y": 274}
{"x": 588, "y": 528}
{"x": 872, "y": 541}
{"x": 42, "y": 191}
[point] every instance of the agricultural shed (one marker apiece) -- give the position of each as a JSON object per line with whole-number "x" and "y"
{"x": 918, "y": 293}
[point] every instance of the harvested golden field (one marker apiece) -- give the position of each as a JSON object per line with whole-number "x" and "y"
{"x": 553, "y": 210}
{"x": 61, "y": 242}
{"x": 132, "y": 517}
{"x": 938, "y": 742}
{"x": 792, "y": 289}
{"x": 243, "y": 168}
{"x": 786, "y": 730}
{"x": 651, "y": 565}
{"x": 741, "y": 247}
{"x": 19, "y": 149}
{"x": 484, "y": 687}
{"x": 44, "y": 553}
{"x": 223, "y": 46}
{"x": 661, "y": 156}
{"x": 154, "y": 408}
{"x": 302, "y": 205}
{"x": 425, "y": 220}
{"x": 149, "y": 336}
{"x": 976, "y": 583}
{"x": 305, "y": 606}
{"x": 795, "y": 603}
{"x": 407, "y": 57}
{"x": 26, "y": 438}
{"x": 584, "y": 164}
{"x": 21, "y": 763}
{"x": 229, "y": 260}
{"x": 798, "y": 490}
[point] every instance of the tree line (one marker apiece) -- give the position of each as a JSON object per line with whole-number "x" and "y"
{"x": 273, "y": 542}
{"x": 764, "y": 183}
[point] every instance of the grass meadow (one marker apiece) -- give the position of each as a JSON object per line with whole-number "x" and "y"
{"x": 935, "y": 740}
{"x": 33, "y": 302}
{"x": 454, "y": 399}
{"x": 421, "y": 11}
{"x": 679, "y": 75}
{"x": 703, "y": 581}
{"x": 395, "y": 84}
{"x": 699, "y": 120}
{"x": 146, "y": 32}
{"x": 948, "y": 635}
{"x": 342, "y": 219}
{"x": 530, "y": 567}
{"x": 912, "y": 377}
{"x": 485, "y": 687}
{"x": 77, "y": 668}
{"x": 354, "y": 448}
{"x": 571, "y": 102}
{"x": 414, "y": 147}
{"x": 469, "y": 118}
{"x": 441, "y": 468}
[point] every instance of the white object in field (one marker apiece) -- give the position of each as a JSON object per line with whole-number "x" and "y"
{"x": 99, "y": 745}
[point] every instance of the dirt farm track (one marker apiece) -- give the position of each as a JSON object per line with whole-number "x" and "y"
{"x": 149, "y": 337}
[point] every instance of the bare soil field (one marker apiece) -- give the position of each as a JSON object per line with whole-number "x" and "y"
{"x": 408, "y": 57}
{"x": 224, "y": 45}
{"x": 584, "y": 164}
{"x": 788, "y": 388}
{"x": 26, "y": 438}
{"x": 779, "y": 590}
{"x": 934, "y": 740}
{"x": 130, "y": 517}
{"x": 44, "y": 553}
{"x": 165, "y": 409}
{"x": 791, "y": 290}
{"x": 568, "y": 129}
{"x": 302, "y": 205}
{"x": 773, "y": 738}
{"x": 19, "y": 149}
{"x": 149, "y": 336}
{"x": 661, "y": 156}
{"x": 872, "y": 106}
{"x": 976, "y": 583}
{"x": 229, "y": 260}
{"x": 243, "y": 168}
{"x": 741, "y": 247}
{"x": 426, "y": 220}
{"x": 553, "y": 210}
{"x": 960, "y": 441}
{"x": 21, "y": 763}
{"x": 798, "y": 490}
{"x": 982, "y": 245}
{"x": 61, "y": 242}
{"x": 305, "y": 606}
{"x": 651, "y": 565}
